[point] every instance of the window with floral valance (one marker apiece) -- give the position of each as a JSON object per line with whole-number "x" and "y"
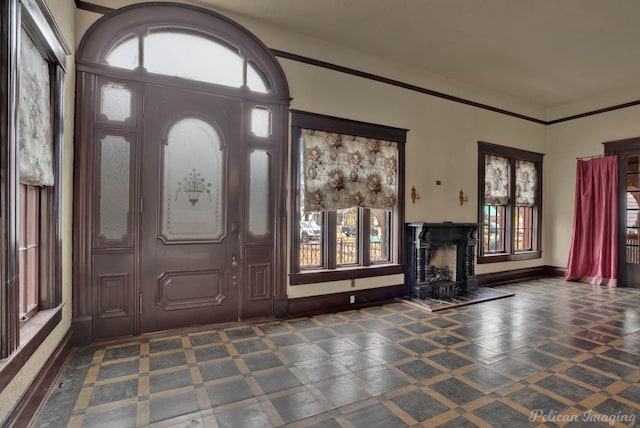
{"x": 498, "y": 177}
{"x": 510, "y": 208}
{"x": 496, "y": 180}
{"x": 344, "y": 171}
{"x": 526, "y": 183}
{"x": 34, "y": 116}
{"x": 33, "y": 70}
{"x": 348, "y": 186}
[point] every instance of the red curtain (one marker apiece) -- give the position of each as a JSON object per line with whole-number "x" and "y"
{"x": 593, "y": 257}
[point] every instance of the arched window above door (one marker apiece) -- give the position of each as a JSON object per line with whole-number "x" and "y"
{"x": 143, "y": 39}
{"x": 208, "y": 59}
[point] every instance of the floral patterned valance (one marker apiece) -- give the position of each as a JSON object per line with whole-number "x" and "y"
{"x": 344, "y": 171}
{"x": 496, "y": 180}
{"x": 34, "y": 116}
{"x": 526, "y": 179}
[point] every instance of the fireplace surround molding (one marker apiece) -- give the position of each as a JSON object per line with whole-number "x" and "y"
{"x": 440, "y": 259}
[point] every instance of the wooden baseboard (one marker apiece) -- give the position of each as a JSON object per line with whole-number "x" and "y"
{"x": 27, "y": 407}
{"x": 341, "y": 301}
{"x": 82, "y": 330}
{"x": 280, "y": 307}
{"x": 555, "y": 271}
{"x": 510, "y": 276}
{"x": 516, "y": 275}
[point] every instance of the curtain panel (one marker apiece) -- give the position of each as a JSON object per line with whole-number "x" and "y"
{"x": 345, "y": 171}
{"x": 526, "y": 179}
{"x": 34, "y": 112}
{"x": 593, "y": 257}
{"x": 497, "y": 173}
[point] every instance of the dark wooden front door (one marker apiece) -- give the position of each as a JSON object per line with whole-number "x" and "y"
{"x": 190, "y": 189}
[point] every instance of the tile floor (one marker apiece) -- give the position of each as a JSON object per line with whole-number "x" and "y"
{"x": 555, "y": 354}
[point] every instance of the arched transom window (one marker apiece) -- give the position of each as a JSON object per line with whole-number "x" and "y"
{"x": 207, "y": 59}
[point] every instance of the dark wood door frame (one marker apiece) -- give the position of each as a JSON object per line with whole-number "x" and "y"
{"x": 265, "y": 255}
{"x": 628, "y": 273}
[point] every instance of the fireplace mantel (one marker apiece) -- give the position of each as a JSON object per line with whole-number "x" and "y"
{"x": 424, "y": 279}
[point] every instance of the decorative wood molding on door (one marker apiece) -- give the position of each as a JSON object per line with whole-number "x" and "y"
{"x": 174, "y": 289}
{"x": 124, "y": 116}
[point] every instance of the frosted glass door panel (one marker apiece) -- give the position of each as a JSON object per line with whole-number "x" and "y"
{"x": 205, "y": 59}
{"x": 124, "y": 54}
{"x": 259, "y": 178}
{"x": 255, "y": 79}
{"x": 193, "y": 182}
{"x": 261, "y": 122}
{"x": 116, "y": 102}
{"x": 114, "y": 188}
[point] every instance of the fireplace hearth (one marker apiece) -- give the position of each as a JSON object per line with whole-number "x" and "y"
{"x": 440, "y": 261}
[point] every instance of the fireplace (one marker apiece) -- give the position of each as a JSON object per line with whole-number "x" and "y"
{"x": 440, "y": 260}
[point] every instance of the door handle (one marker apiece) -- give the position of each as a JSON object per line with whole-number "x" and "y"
{"x": 234, "y": 260}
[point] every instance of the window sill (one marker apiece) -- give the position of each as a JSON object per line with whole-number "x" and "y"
{"x": 32, "y": 333}
{"x": 315, "y": 276}
{"x": 504, "y": 257}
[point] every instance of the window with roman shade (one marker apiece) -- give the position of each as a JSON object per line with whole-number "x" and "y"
{"x": 344, "y": 171}
{"x": 510, "y": 208}
{"x": 349, "y": 181}
{"x": 33, "y": 60}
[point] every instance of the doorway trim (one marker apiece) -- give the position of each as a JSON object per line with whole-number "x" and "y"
{"x": 92, "y": 70}
{"x": 623, "y": 149}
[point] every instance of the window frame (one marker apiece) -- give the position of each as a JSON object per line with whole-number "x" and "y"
{"x": 29, "y": 247}
{"x": 365, "y": 268}
{"x": 510, "y": 253}
{"x": 19, "y": 340}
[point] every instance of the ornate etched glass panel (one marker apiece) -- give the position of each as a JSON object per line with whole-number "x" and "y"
{"x": 34, "y": 116}
{"x": 124, "y": 54}
{"x": 255, "y": 79}
{"x": 192, "y": 56}
{"x": 193, "y": 179}
{"x": 496, "y": 180}
{"x": 114, "y": 188}
{"x": 115, "y": 103}
{"x": 526, "y": 179}
{"x": 261, "y": 122}
{"x": 259, "y": 180}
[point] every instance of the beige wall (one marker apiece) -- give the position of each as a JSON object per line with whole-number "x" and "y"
{"x": 441, "y": 145}
{"x": 64, "y": 13}
{"x": 442, "y": 138}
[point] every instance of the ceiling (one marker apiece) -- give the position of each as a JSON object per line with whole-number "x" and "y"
{"x": 547, "y": 52}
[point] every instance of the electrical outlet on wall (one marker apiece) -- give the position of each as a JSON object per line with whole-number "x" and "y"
{"x": 352, "y": 299}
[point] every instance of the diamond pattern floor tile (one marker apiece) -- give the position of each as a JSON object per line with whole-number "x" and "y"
{"x": 513, "y": 362}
